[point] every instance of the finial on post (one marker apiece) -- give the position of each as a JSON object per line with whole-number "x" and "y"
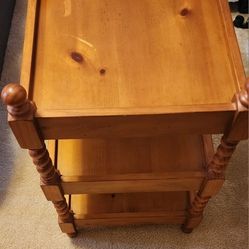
{"x": 15, "y": 97}
{"x": 244, "y": 95}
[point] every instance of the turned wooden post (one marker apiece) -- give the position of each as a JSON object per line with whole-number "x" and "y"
{"x": 21, "y": 113}
{"x": 217, "y": 166}
{"x": 21, "y": 116}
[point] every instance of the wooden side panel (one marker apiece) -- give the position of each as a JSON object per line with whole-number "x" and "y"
{"x": 135, "y": 126}
{"x": 139, "y": 220}
{"x": 128, "y": 186}
{"x": 137, "y": 176}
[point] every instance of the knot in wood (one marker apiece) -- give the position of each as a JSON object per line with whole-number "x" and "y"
{"x": 184, "y": 12}
{"x": 77, "y": 57}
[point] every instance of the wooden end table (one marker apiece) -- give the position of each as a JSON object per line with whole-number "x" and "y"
{"x": 127, "y": 93}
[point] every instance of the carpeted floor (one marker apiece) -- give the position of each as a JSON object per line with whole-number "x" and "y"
{"x": 27, "y": 220}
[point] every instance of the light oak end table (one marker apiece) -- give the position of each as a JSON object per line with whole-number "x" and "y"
{"x": 127, "y": 93}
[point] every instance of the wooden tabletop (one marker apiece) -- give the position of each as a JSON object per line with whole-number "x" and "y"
{"x": 105, "y": 57}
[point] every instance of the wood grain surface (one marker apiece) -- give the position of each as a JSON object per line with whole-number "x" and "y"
{"x": 134, "y": 208}
{"x": 107, "y": 157}
{"x": 133, "y": 54}
{"x": 172, "y": 163}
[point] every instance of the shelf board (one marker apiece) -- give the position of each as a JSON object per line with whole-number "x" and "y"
{"x": 170, "y": 163}
{"x": 106, "y": 158}
{"x": 129, "y": 208}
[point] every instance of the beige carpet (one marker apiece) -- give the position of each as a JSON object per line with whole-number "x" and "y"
{"x": 27, "y": 220}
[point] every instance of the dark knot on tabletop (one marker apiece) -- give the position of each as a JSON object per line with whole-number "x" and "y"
{"x": 184, "y": 11}
{"x": 77, "y": 57}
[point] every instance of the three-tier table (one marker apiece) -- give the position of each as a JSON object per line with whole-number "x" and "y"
{"x": 127, "y": 93}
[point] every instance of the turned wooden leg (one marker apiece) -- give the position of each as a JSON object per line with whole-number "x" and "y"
{"x": 195, "y": 213}
{"x": 50, "y": 177}
{"x": 21, "y": 119}
{"x": 48, "y": 174}
{"x": 216, "y": 168}
{"x": 65, "y": 218}
{"x": 211, "y": 185}
{"x": 50, "y": 183}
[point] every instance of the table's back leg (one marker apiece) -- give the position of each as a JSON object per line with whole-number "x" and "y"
{"x": 22, "y": 122}
{"x": 216, "y": 168}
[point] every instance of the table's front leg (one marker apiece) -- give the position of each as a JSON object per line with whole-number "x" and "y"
{"x": 50, "y": 184}
{"x": 216, "y": 168}
{"x": 22, "y": 122}
{"x": 211, "y": 185}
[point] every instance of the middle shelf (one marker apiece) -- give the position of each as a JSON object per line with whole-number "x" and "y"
{"x": 151, "y": 164}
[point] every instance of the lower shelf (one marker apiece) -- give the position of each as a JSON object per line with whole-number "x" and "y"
{"x": 129, "y": 208}
{"x": 152, "y": 164}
